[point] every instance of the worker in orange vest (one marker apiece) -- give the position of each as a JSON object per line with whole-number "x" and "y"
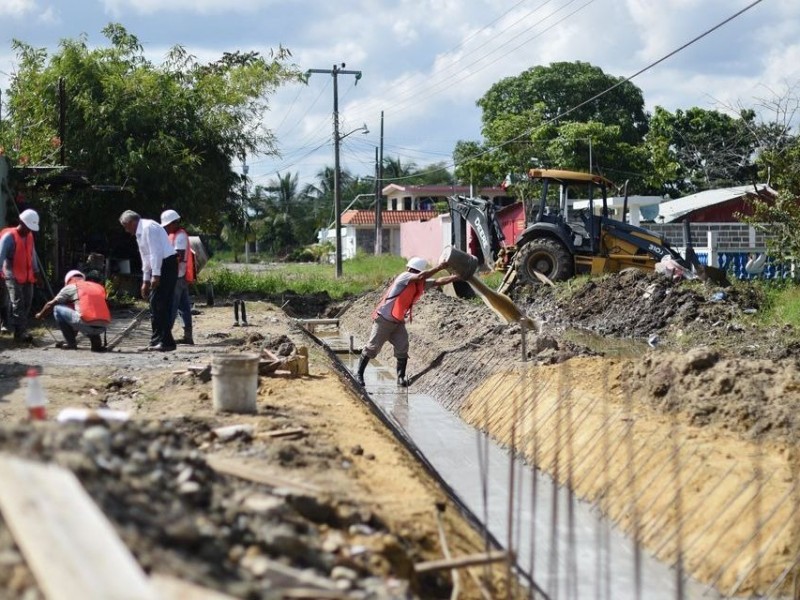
{"x": 79, "y": 307}
{"x": 20, "y": 267}
{"x": 186, "y": 273}
{"x": 395, "y": 307}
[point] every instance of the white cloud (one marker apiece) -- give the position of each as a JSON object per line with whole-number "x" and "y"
{"x": 16, "y": 8}
{"x": 204, "y": 7}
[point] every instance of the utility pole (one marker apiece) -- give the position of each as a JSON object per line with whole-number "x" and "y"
{"x": 379, "y": 200}
{"x": 377, "y": 204}
{"x": 337, "y": 200}
{"x": 245, "y": 170}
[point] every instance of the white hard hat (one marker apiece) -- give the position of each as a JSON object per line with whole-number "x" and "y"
{"x": 71, "y": 274}
{"x": 169, "y": 216}
{"x": 417, "y": 263}
{"x": 30, "y": 218}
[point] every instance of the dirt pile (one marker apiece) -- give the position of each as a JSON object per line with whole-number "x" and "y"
{"x": 177, "y": 514}
{"x": 635, "y": 303}
{"x": 757, "y": 399}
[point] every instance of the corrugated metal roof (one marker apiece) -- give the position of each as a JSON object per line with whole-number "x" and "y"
{"x": 672, "y": 210}
{"x": 388, "y": 217}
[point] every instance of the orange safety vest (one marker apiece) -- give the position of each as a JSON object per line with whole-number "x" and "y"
{"x": 92, "y": 302}
{"x": 404, "y": 301}
{"x": 188, "y": 255}
{"x": 22, "y": 265}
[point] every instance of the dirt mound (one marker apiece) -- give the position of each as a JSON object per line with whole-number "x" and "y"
{"x": 636, "y": 304}
{"x": 755, "y": 398}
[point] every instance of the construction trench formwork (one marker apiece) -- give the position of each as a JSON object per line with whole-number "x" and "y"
{"x": 593, "y": 494}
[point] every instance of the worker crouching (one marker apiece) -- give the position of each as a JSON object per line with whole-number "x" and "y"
{"x": 79, "y": 307}
{"x": 389, "y": 317}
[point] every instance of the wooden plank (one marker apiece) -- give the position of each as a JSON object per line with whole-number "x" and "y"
{"x": 470, "y": 560}
{"x": 276, "y": 433}
{"x": 256, "y": 473}
{"x": 318, "y": 321}
{"x": 69, "y": 545}
{"x": 172, "y": 588}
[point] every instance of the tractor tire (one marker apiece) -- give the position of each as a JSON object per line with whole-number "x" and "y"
{"x": 547, "y": 256}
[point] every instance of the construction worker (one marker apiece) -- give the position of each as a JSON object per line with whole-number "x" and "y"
{"x": 159, "y": 274}
{"x": 389, "y": 316}
{"x": 20, "y": 270}
{"x": 79, "y": 307}
{"x": 186, "y": 273}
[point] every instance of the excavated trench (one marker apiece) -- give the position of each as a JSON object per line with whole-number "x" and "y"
{"x": 562, "y": 544}
{"x": 647, "y": 483}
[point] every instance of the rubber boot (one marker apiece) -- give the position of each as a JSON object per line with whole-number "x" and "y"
{"x": 362, "y": 366}
{"x": 97, "y": 343}
{"x": 401, "y": 372}
{"x": 70, "y": 338}
{"x": 187, "y": 338}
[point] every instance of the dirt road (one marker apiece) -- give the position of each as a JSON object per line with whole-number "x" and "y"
{"x": 340, "y": 505}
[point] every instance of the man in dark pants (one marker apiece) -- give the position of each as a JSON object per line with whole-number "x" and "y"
{"x": 159, "y": 275}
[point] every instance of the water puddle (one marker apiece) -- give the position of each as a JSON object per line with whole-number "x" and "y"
{"x": 570, "y": 550}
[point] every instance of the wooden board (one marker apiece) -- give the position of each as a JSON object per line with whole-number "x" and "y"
{"x": 69, "y": 545}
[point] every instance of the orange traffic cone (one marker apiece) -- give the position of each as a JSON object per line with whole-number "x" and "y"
{"x": 34, "y": 398}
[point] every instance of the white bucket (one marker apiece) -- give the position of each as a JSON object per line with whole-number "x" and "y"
{"x": 234, "y": 379}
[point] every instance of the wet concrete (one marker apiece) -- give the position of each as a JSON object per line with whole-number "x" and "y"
{"x": 568, "y": 548}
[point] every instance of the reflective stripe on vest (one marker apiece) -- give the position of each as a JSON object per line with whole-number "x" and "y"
{"x": 92, "y": 303}
{"x": 188, "y": 255}
{"x": 404, "y": 301}
{"x": 22, "y": 265}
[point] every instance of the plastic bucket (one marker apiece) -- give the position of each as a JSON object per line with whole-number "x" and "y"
{"x": 460, "y": 263}
{"x": 234, "y": 379}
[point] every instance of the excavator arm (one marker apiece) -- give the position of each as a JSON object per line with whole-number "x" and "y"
{"x": 478, "y": 214}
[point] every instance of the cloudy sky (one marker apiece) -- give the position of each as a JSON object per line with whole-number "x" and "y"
{"x": 426, "y": 62}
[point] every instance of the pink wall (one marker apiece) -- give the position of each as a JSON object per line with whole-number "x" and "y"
{"x": 425, "y": 238}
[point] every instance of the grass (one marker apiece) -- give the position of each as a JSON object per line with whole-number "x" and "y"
{"x": 782, "y": 306}
{"x": 360, "y": 274}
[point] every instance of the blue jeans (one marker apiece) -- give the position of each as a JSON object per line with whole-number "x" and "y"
{"x": 64, "y": 315}
{"x": 181, "y": 303}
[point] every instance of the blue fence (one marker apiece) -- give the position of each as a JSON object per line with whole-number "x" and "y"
{"x": 735, "y": 262}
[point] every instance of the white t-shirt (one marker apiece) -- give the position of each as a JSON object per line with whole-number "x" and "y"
{"x": 182, "y": 243}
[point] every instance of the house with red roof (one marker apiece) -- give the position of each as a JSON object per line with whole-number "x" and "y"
{"x": 405, "y": 204}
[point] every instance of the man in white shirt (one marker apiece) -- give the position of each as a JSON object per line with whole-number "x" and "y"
{"x": 159, "y": 274}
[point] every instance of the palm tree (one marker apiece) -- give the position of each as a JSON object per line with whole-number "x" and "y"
{"x": 393, "y": 169}
{"x": 284, "y": 190}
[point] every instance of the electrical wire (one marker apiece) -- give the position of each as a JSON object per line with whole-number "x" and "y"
{"x": 655, "y": 63}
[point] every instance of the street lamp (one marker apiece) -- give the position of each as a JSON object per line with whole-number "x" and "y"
{"x": 337, "y": 192}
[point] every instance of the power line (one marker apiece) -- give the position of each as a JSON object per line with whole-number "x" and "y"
{"x": 621, "y": 82}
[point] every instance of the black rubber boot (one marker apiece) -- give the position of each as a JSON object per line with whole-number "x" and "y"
{"x": 401, "y": 372}
{"x": 97, "y": 343}
{"x": 187, "y": 338}
{"x": 362, "y": 366}
{"x": 70, "y": 337}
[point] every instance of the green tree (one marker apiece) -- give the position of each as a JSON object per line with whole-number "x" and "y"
{"x": 546, "y": 117}
{"x": 699, "y": 149}
{"x": 563, "y": 91}
{"x": 169, "y": 133}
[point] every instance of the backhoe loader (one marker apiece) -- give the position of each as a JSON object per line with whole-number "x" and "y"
{"x": 559, "y": 242}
